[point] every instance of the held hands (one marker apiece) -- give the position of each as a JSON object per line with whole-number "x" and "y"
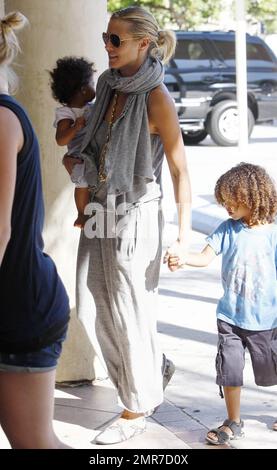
{"x": 174, "y": 263}
{"x": 79, "y": 123}
{"x": 175, "y": 255}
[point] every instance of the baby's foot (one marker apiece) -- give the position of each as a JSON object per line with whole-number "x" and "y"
{"x": 80, "y": 221}
{"x": 274, "y": 427}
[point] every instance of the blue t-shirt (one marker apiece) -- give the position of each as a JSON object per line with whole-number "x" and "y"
{"x": 34, "y": 306}
{"x": 249, "y": 278}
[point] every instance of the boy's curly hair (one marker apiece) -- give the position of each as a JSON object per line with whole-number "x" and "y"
{"x": 249, "y": 185}
{"x": 69, "y": 76}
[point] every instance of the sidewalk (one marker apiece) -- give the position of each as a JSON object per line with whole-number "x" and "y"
{"x": 187, "y": 325}
{"x": 187, "y": 332}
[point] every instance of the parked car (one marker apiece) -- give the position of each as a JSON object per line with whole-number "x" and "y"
{"x": 201, "y": 78}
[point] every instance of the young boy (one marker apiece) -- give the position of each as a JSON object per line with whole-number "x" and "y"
{"x": 247, "y": 312}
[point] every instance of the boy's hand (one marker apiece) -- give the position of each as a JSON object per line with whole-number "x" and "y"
{"x": 175, "y": 255}
{"x": 80, "y": 123}
{"x": 174, "y": 263}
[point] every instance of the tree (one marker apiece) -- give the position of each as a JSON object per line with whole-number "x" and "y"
{"x": 182, "y": 14}
{"x": 264, "y": 11}
{"x": 188, "y": 14}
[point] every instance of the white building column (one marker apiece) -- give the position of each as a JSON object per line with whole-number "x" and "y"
{"x": 59, "y": 28}
{"x": 241, "y": 75}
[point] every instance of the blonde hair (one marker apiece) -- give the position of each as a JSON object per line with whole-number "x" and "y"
{"x": 142, "y": 23}
{"x": 9, "y": 45}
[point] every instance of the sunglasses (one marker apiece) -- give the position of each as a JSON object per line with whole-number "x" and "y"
{"x": 114, "y": 39}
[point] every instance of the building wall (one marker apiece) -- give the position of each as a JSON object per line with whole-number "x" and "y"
{"x": 59, "y": 28}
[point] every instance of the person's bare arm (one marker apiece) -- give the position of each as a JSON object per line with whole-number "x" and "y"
{"x": 11, "y": 142}
{"x": 69, "y": 161}
{"x": 66, "y": 130}
{"x": 163, "y": 120}
{"x": 194, "y": 259}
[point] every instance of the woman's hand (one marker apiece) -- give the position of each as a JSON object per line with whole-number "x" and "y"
{"x": 175, "y": 255}
{"x": 69, "y": 161}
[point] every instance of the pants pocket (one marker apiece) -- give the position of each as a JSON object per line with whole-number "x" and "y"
{"x": 273, "y": 345}
{"x": 219, "y": 360}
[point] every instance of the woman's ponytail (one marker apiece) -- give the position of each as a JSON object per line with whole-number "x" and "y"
{"x": 9, "y": 45}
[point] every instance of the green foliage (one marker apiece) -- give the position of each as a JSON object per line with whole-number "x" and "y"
{"x": 264, "y": 11}
{"x": 188, "y": 14}
{"x": 181, "y": 14}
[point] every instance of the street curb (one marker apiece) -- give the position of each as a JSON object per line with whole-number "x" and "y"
{"x": 206, "y": 215}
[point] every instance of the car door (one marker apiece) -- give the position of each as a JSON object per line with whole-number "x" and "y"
{"x": 261, "y": 72}
{"x": 224, "y": 46}
{"x": 262, "y": 77}
{"x": 191, "y": 75}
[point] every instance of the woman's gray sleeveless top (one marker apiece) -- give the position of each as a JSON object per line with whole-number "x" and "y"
{"x": 141, "y": 191}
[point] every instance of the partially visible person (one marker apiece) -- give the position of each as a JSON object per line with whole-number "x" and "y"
{"x": 34, "y": 304}
{"x": 133, "y": 124}
{"x": 72, "y": 85}
{"x": 247, "y": 312}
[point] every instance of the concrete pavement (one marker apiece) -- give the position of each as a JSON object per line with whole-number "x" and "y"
{"x": 187, "y": 332}
{"x": 189, "y": 297}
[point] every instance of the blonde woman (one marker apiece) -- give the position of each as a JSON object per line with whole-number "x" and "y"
{"x": 134, "y": 122}
{"x": 34, "y": 304}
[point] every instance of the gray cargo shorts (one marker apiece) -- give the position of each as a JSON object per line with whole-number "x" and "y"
{"x": 230, "y": 359}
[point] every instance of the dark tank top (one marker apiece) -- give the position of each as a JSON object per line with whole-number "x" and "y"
{"x": 34, "y": 307}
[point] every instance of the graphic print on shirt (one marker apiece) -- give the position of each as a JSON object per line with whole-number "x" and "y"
{"x": 248, "y": 277}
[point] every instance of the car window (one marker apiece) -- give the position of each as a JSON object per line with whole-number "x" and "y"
{"x": 226, "y": 50}
{"x": 191, "y": 54}
{"x": 255, "y": 52}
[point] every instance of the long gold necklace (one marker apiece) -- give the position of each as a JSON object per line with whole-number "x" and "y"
{"x": 102, "y": 159}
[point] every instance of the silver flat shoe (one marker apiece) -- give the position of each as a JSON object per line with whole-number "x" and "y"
{"x": 121, "y": 430}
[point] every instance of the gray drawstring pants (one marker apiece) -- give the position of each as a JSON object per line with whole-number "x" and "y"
{"x": 117, "y": 280}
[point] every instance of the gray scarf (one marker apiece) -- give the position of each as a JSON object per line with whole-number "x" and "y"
{"x": 129, "y": 152}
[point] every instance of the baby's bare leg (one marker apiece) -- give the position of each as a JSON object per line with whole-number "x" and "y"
{"x": 81, "y": 196}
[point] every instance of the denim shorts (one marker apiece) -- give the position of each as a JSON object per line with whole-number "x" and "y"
{"x": 262, "y": 346}
{"x": 43, "y": 360}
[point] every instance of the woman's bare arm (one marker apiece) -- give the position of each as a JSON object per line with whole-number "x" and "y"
{"x": 163, "y": 120}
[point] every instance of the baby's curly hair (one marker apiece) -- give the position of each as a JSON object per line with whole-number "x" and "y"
{"x": 249, "y": 185}
{"x": 69, "y": 76}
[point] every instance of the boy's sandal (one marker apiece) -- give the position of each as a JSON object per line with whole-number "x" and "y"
{"x": 274, "y": 427}
{"x": 222, "y": 436}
